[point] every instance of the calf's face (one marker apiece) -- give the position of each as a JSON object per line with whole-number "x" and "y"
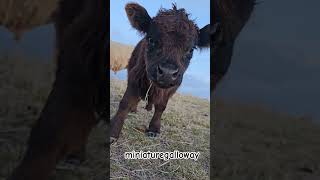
{"x": 170, "y": 39}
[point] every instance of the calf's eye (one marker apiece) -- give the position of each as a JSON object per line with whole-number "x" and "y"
{"x": 191, "y": 50}
{"x": 151, "y": 42}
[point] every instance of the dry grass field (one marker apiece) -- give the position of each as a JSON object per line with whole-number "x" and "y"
{"x": 119, "y": 55}
{"x": 185, "y": 127}
{"x": 24, "y": 86}
{"x": 251, "y": 143}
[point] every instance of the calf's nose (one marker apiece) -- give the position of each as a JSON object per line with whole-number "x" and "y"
{"x": 167, "y": 72}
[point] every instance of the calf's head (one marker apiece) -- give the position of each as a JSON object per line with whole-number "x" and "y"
{"x": 169, "y": 40}
{"x": 230, "y": 16}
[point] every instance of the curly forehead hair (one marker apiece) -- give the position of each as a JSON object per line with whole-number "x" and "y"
{"x": 176, "y": 21}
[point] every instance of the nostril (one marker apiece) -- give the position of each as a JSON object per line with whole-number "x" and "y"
{"x": 160, "y": 70}
{"x": 175, "y": 74}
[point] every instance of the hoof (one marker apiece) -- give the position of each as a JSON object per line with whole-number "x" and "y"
{"x": 148, "y": 107}
{"x": 113, "y": 140}
{"x": 134, "y": 110}
{"x": 152, "y": 134}
{"x": 75, "y": 158}
{"x": 73, "y": 161}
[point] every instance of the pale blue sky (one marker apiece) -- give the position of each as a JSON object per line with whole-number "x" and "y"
{"x": 199, "y": 69}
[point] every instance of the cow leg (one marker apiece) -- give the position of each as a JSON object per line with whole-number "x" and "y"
{"x": 129, "y": 101}
{"x": 155, "y": 123}
{"x": 78, "y": 140}
{"x": 77, "y": 157}
{"x": 149, "y": 104}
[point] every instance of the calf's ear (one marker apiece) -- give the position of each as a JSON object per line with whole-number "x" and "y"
{"x": 204, "y": 37}
{"x": 138, "y": 17}
{"x": 216, "y": 34}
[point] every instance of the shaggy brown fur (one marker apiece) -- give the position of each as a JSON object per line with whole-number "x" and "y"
{"x": 79, "y": 91}
{"x": 170, "y": 38}
{"x": 230, "y": 16}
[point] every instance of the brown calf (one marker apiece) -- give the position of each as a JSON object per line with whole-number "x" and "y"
{"x": 158, "y": 62}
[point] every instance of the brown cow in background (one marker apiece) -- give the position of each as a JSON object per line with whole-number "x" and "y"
{"x": 158, "y": 62}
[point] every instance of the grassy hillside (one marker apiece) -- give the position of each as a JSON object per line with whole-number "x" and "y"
{"x": 24, "y": 86}
{"x": 253, "y": 143}
{"x": 185, "y": 127}
{"x": 250, "y": 143}
{"x": 119, "y": 55}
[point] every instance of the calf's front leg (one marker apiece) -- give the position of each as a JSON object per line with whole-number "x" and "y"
{"x": 128, "y": 102}
{"x": 155, "y": 123}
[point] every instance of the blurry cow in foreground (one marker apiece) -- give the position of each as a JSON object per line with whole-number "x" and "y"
{"x": 78, "y": 97}
{"x": 229, "y": 18}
